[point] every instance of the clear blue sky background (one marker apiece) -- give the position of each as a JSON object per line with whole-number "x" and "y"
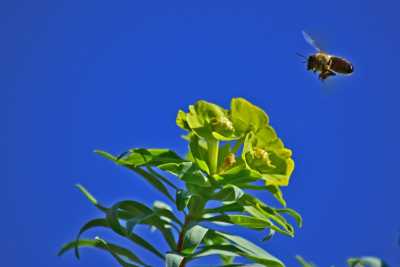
{"x": 80, "y": 75}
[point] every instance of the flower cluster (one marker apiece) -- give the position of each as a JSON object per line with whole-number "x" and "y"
{"x": 263, "y": 152}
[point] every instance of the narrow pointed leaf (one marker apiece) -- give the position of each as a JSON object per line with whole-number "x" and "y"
{"x": 115, "y": 250}
{"x": 366, "y": 262}
{"x": 277, "y": 193}
{"x": 162, "y": 209}
{"x": 89, "y": 225}
{"x": 294, "y": 214}
{"x": 90, "y": 197}
{"x": 173, "y": 260}
{"x": 241, "y": 220}
{"x": 193, "y": 237}
{"x": 252, "y": 251}
{"x": 182, "y": 199}
{"x": 303, "y": 262}
{"x": 154, "y": 182}
{"x": 228, "y": 193}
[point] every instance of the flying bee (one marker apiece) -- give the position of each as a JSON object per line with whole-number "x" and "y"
{"x": 324, "y": 63}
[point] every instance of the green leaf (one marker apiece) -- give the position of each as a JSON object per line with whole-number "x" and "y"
{"x": 244, "y": 265}
{"x": 193, "y": 237}
{"x": 228, "y": 193}
{"x": 106, "y": 155}
{"x": 136, "y": 213}
{"x": 262, "y": 216}
{"x": 140, "y": 157}
{"x": 275, "y": 190}
{"x": 182, "y": 199}
{"x": 270, "y": 235}
{"x": 253, "y": 251}
{"x": 115, "y": 250}
{"x": 198, "y": 151}
{"x": 277, "y": 193}
{"x": 188, "y": 172}
{"x": 238, "y": 175}
{"x": 241, "y": 220}
{"x": 294, "y": 214}
{"x": 131, "y": 209}
{"x": 231, "y": 207}
{"x": 162, "y": 209}
{"x": 303, "y": 262}
{"x": 196, "y": 206}
{"x": 366, "y": 262}
{"x": 100, "y": 222}
{"x": 87, "y": 194}
{"x": 226, "y": 250}
{"x": 89, "y": 225}
{"x": 161, "y": 177}
{"x": 154, "y": 182}
{"x": 150, "y": 157}
{"x": 237, "y": 246}
{"x": 173, "y": 260}
{"x": 143, "y": 243}
{"x": 227, "y": 260}
{"x": 90, "y": 197}
{"x": 259, "y": 209}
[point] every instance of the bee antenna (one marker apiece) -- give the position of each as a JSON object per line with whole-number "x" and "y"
{"x": 300, "y": 55}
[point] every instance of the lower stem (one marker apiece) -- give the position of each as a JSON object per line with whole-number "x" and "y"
{"x": 179, "y": 246}
{"x": 213, "y": 146}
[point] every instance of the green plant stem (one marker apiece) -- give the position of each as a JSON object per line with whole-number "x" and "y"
{"x": 179, "y": 246}
{"x": 195, "y": 213}
{"x": 213, "y": 146}
{"x": 236, "y": 147}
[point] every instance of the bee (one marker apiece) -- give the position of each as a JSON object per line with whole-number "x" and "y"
{"x": 324, "y": 63}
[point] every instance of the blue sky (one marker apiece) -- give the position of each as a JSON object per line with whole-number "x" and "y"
{"x": 83, "y": 75}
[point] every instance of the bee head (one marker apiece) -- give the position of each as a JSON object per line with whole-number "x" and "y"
{"x": 311, "y": 62}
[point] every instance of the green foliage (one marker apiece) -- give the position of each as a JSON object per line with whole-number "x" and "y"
{"x": 352, "y": 262}
{"x": 231, "y": 154}
{"x": 303, "y": 262}
{"x": 366, "y": 262}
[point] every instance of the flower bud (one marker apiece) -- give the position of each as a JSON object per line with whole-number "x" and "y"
{"x": 229, "y": 161}
{"x": 222, "y": 124}
{"x": 262, "y": 155}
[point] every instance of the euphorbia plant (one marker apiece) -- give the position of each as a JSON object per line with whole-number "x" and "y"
{"x": 231, "y": 154}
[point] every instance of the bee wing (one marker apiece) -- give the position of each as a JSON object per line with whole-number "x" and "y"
{"x": 311, "y": 41}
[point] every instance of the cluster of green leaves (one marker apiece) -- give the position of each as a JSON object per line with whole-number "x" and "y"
{"x": 352, "y": 262}
{"x": 231, "y": 154}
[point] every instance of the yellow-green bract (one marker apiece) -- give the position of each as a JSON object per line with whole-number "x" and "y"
{"x": 263, "y": 151}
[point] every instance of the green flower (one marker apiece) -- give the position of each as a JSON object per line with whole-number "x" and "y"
{"x": 247, "y": 117}
{"x": 266, "y": 154}
{"x": 207, "y": 120}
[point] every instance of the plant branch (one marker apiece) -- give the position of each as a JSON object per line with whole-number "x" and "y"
{"x": 179, "y": 246}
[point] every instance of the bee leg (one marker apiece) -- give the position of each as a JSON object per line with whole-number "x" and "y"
{"x": 322, "y": 76}
{"x": 325, "y": 74}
